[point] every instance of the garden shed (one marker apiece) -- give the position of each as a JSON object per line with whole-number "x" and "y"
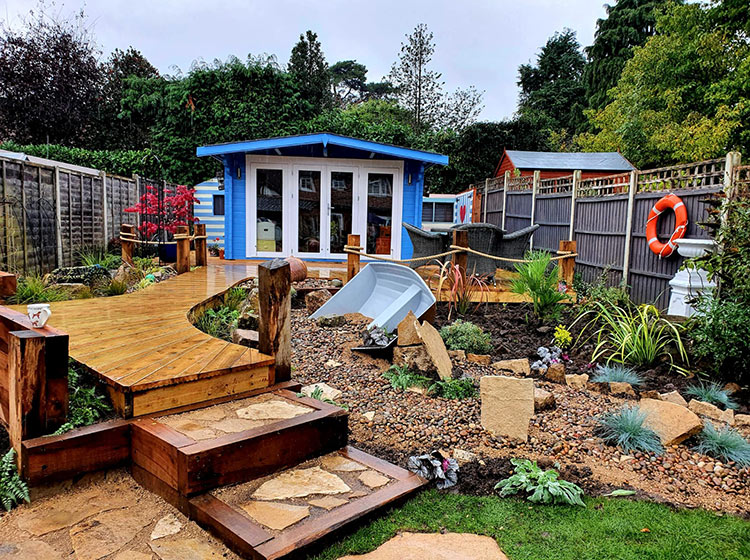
{"x": 302, "y": 195}
{"x": 560, "y": 164}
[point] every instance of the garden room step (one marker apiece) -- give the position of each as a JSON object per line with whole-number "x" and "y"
{"x": 180, "y": 455}
{"x": 285, "y": 514}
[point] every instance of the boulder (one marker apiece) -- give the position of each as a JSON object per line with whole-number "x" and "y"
{"x": 245, "y": 337}
{"x": 75, "y": 290}
{"x": 555, "y": 373}
{"x": 435, "y": 347}
{"x": 315, "y": 300}
{"x": 481, "y": 359}
{"x": 407, "y": 330}
{"x": 457, "y": 355}
{"x": 576, "y": 381}
{"x": 332, "y": 321}
{"x": 711, "y": 411}
{"x": 543, "y": 399}
{"x": 621, "y": 388}
{"x": 650, "y": 395}
{"x": 127, "y": 275}
{"x": 742, "y": 420}
{"x": 507, "y": 406}
{"x": 674, "y": 397}
{"x": 415, "y": 358}
{"x": 518, "y": 366}
{"x": 672, "y": 422}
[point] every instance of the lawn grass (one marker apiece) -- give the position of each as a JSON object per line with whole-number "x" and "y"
{"x": 604, "y": 529}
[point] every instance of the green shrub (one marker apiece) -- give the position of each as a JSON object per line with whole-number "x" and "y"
{"x": 563, "y": 338}
{"x": 116, "y": 288}
{"x": 638, "y": 336}
{"x": 86, "y": 405}
{"x": 235, "y": 298}
{"x": 466, "y": 336}
{"x": 218, "y": 322}
{"x": 725, "y": 444}
{"x": 540, "y": 284}
{"x": 13, "y": 489}
{"x": 617, "y": 374}
{"x": 625, "y": 429}
{"x": 711, "y": 393}
{"x": 31, "y": 289}
{"x": 600, "y": 290}
{"x": 542, "y": 487}
{"x": 457, "y": 389}
{"x": 402, "y": 378}
{"x": 91, "y": 256}
{"x": 720, "y": 332}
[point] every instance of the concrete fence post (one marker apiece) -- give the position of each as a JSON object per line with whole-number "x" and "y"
{"x": 534, "y": 188}
{"x": 505, "y": 197}
{"x": 573, "y": 197}
{"x": 632, "y": 191}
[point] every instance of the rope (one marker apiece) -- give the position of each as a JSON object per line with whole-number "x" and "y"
{"x": 567, "y": 255}
{"x": 348, "y": 249}
{"x": 454, "y": 249}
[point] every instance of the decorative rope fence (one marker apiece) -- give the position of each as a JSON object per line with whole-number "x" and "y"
{"x": 182, "y": 238}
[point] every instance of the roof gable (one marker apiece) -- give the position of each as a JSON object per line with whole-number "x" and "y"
{"x": 585, "y": 161}
{"x": 325, "y": 139}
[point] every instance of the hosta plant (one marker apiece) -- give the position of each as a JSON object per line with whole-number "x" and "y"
{"x": 540, "y": 486}
{"x": 13, "y": 489}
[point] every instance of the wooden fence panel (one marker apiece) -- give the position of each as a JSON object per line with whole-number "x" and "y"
{"x": 122, "y": 193}
{"x": 518, "y": 214}
{"x": 553, "y": 215}
{"x": 493, "y": 203}
{"x": 600, "y": 235}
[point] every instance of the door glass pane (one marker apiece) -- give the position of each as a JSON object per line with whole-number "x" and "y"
{"x": 379, "y": 212}
{"x": 309, "y": 212}
{"x": 270, "y": 210}
{"x": 342, "y": 195}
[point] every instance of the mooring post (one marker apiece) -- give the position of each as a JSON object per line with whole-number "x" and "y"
{"x": 275, "y": 329}
{"x": 183, "y": 249}
{"x": 127, "y": 241}
{"x": 461, "y": 239}
{"x": 352, "y": 259}
{"x": 201, "y": 247}
{"x": 567, "y": 267}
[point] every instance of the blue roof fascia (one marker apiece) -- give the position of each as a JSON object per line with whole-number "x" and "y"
{"x": 325, "y": 139}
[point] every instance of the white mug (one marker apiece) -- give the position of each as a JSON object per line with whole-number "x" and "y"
{"x": 38, "y": 314}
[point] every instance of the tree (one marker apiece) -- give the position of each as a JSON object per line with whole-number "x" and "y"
{"x": 461, "y": 108}
{"x": 49, "y": 80}
{"x": 111, "y": 130}
{"x": 348, "y": 82}
{"x": 683, "y": 96}
{"x": 552, "y": 90}
{"x": 419, "y": 89}
{"x": 629, "y": 23}
{"x": 308, "y": 67}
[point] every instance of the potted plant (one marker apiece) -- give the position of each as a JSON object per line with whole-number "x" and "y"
{"x": 160, "y": 216}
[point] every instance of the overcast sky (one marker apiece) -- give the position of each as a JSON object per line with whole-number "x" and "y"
{"x": 479, "y": 43}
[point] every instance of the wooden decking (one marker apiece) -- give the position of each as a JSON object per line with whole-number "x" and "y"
{"x": 150, "y": 356}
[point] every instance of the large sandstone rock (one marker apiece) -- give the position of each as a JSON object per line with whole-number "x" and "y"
{"x": 127, "y": 275}
{"x": 555, "y": 373}
{"x": 576, "y": 381}
{"x": 742, "y": 419}
{"x": 671, "y": 422}
{"x": 712, "y": 411}
{"x": 481, "y": 359}
{"x": 543, "y": 399}
{"x": 621, "y": 388}
{"x": 435, "y": 347}
{"x": 507, "y": 406}
{"x": 326, "y": 391}
{"x": 245, "y": 337}
{"x": 415, "y": 358}
{"x": 518, "y": 366}
{"x": 437, "y": 546}
{"x": 107, "y": 532}
{"x": 185, "y": 549}
{"x": 272, "y": 410}
{"x": 674, "y": 397}
{"x": 315, "y": 300}
{"x": 407, "y": 330}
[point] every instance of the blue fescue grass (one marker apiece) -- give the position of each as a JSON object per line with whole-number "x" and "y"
{"x": 617, "y": 374}
{"x": 712, "y": 393}
{"x": 724, "y": 443}
{"x": 624, "y": 429}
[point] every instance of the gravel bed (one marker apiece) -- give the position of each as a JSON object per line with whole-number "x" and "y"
{"x": 407, "y": 423}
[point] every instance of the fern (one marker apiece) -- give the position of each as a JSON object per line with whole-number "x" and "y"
{"x": 85, "y": 406}
{"x": 13, "y": 489}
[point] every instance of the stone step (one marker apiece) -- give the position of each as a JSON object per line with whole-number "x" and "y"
{"x": 180, "y": 455}
{"x": 289, "y": 513}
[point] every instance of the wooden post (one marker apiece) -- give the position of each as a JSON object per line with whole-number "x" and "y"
{"x": 127, "y": 237}
{"x": 567, "y": 267}
{"x": 732, "y": 161}
{"x": 183, "y": 249}
{"x": 505, "y": 197}
{"x": 37, "y": 385}
{"x": 461, "y": 239}
{"x": 352, "y": 260}
{"x": 201, "y": 246}
{"x": 275, "y": 330}
{"x": 632, "y": 190}
{"x": 534, "y": 188}
{"x": 105, "y": 217}
{"x": 573, "y": 197}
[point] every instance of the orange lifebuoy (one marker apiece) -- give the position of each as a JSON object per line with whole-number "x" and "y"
{"x": 681, "y": 220}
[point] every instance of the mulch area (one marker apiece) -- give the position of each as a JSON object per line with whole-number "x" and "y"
{"x": 407, "y": 423}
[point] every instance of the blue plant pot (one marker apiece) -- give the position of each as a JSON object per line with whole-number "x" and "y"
{"x": 168, "y": 253}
